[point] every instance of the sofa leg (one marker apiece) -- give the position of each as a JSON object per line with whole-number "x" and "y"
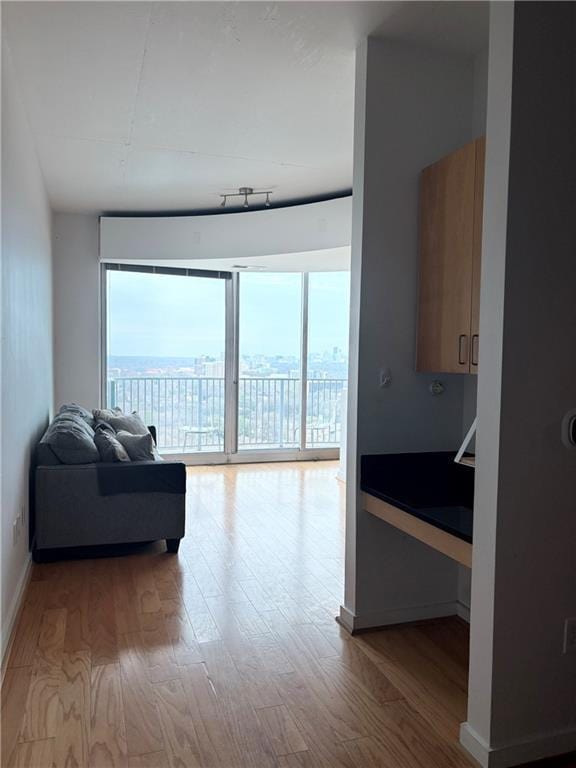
{"x": 40, "y": 556}
{"x": 172, "y": 545}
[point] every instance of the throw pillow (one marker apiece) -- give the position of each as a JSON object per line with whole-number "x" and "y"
{"x": 109, "y": 447}
{"x": 127, "y": 422}
{"x": 103, "y": 414}
{"x": 103, "y": 426}
{"x": 139, "y": 447}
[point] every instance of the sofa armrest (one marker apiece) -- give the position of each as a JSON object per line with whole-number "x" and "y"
{"x": 71, "y": 510}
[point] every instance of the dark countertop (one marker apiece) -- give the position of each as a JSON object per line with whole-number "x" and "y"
{"x": 429, "y": 486}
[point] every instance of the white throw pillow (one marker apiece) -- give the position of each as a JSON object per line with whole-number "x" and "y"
{"x": 138, "y": 447}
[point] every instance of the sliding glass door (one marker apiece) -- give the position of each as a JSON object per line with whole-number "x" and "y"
{"x": 166, "y": 352}
{"x": 229, "y": 367}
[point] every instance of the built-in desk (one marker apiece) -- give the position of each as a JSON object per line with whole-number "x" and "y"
{"x": 425, "y": 495}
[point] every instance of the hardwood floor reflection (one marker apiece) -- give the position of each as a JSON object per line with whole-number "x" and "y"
{"x": 227, "y": 655}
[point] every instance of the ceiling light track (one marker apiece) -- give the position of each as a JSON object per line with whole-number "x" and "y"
{"x": 247, "y": 192}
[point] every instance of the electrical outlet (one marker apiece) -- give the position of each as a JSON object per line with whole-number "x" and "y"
{"x": 570, "y": 635}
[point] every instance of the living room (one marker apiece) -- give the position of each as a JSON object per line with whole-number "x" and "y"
{"x": 251, "y": 254}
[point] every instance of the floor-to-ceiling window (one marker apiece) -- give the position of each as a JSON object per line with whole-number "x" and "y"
{"x": 327, "y": 355}
{"x": 229, "y": 366}
{"x": 270, "y": 375}
{"x": 166, "y": 348}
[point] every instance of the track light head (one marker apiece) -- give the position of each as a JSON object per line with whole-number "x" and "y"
{"x": 247, "y": 192}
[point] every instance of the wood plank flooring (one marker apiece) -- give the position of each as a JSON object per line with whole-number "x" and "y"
{"x": 227, "y": 655}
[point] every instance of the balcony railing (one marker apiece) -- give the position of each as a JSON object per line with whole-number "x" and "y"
{"x": 189, "y": 413}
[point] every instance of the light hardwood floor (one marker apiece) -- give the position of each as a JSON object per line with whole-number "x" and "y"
{"x": 227, "y": 655}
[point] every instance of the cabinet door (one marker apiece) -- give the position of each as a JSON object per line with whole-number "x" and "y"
{"x": 477, "y": 252}
{"x": 446, "y": 262}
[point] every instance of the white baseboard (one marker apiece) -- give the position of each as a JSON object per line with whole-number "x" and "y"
{"x": 518, "y": 753}
{"x": 9, "y": 625}
{"x": 353, "y": 622}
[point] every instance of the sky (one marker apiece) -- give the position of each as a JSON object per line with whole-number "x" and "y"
{"x": 171, "y": 316}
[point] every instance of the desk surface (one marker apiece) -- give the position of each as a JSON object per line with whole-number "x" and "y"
{"x": 429, "y": 486}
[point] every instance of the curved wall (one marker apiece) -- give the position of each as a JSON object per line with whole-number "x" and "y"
{"x": 294, "y": 229}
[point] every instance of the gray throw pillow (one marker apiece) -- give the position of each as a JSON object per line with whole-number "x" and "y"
{"x": 127, "y": 422}
{"x": 103, "y": 414}
{"x": 103, "y": 426}
{"x": 139, "y": 447}
{"x": 72, "y": 440}
{"x": 109, "y": 447}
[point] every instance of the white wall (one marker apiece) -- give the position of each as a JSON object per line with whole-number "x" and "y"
{"x": 26, "y": 331}
{"x": 522, "y": 686}
{"x": 412, "y": 107}
{"x": 76, "y": 310}
{"x": 470, "y": 381}
{"x": 250, "y": 233}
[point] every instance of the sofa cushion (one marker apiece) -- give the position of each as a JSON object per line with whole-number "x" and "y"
{"x": 45, "y": 456}
{"x": 71, "y": 440}
{"x": 77, "y": 410}
{"x": 109, "y": 447}
{"x": 139, "y": 447}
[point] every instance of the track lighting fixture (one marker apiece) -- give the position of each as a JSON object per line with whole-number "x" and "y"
{"x": 247, "y": 192}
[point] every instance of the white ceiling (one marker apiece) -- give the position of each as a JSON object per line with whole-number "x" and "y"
{"x": 162, "y": 106}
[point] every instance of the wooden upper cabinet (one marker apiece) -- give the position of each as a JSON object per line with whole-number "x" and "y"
{"x": 477, "y": 253}
{"x": 451, "y": 200}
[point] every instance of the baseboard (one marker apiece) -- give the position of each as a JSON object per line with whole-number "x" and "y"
{"x": 357, "y": 623}
{"x": 463, "y": 611}
{"x": 518, "y": 753}
{"x": 8, "y": 629}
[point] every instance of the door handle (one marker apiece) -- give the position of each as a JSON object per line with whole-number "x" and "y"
{"x": 463, "y": 349}
{"x": 475, "y": 344}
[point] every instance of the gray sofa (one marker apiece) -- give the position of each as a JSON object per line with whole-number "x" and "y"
{"x": 102, "y": 503}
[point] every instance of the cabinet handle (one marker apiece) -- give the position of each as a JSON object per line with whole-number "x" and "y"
{"x": 475, "y": 343}
{"x": 463, "y": 357}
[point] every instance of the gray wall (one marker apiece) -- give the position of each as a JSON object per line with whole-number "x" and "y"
{"x": 76, "y": 309}
{"x": 26, "y": 331}
{"x": 412, "y": 107}
{"x": 522, "y": 687}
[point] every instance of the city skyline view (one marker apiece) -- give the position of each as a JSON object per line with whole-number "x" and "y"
{"x": 166, "y": 343}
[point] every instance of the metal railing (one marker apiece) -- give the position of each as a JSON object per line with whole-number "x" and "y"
{"x": 189, "y": 412}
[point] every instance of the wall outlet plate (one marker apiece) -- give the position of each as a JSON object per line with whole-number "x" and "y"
{"x": 385, "y": 377}
{"x": 570, "y": 635}
{"x": 568, "y": 429}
